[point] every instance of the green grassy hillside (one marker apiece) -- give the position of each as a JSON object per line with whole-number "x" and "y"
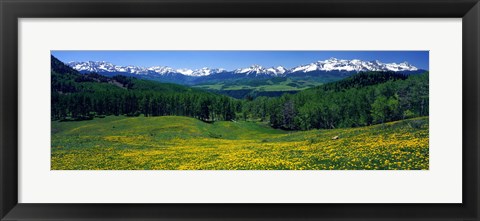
{"x": 270, "y": 87}
{"x": 272, "y": 84}
{"x": 182, "y": 143}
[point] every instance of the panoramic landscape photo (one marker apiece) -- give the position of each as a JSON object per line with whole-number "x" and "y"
{"x": 239, "y": 110}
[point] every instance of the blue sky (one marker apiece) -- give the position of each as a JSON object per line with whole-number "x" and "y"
{"x": 238, "y": 59}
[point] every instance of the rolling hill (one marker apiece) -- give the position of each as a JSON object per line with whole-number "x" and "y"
{"x": 182, "y": 143}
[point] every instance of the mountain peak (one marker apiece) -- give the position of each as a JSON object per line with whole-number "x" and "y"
{"x": 331, "y": 64}
{"x": 356, "y": 65}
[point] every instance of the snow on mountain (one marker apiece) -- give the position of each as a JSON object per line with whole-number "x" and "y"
{"x": 276, "y": 70}
{"x": 259, "y": 70}
{"x": 102, "y": 66}
{"x": 332, "y": 64}
{"x": 254, "y": 69}
{"x": 404, "y": 66}
{"x": 356, "y": 65}
{"x": 93, "y": 66}
{"x": 162, "y": 70}
{"x": 184, "y": 71}
{"x": 207, "y": 71}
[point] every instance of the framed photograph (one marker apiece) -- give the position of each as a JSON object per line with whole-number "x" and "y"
{"x": 255, "y": 110}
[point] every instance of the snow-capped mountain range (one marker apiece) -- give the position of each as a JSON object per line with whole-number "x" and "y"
{"x": 330, "y": 65}
{"x": 356, "y": 65}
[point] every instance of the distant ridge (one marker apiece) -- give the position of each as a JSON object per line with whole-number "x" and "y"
{"x": 331, "y": 64}
{"x": 338, "y": 68}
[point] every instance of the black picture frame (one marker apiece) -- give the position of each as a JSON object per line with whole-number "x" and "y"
{"x": 12, "y": 10}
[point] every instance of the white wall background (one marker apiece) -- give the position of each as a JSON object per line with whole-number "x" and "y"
{"x": 441, "y": 184}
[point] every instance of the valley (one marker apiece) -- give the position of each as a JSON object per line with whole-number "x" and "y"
{"x": 328, "y": 115}
{"x": 182, "y": 143}
{"x": 270, "y": 87}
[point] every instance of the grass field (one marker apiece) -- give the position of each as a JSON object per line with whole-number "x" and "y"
{"x": 181, "y": 143}
{"x": 286, "y": 84}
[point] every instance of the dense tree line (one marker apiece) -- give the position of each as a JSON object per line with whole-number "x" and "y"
{"x": 360, "y": 100}
{"x": 364, "y": 99}
{"x": 78, "y": 96}
{"x": 84, "y": 105}
{"x": 89, "y": 100}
